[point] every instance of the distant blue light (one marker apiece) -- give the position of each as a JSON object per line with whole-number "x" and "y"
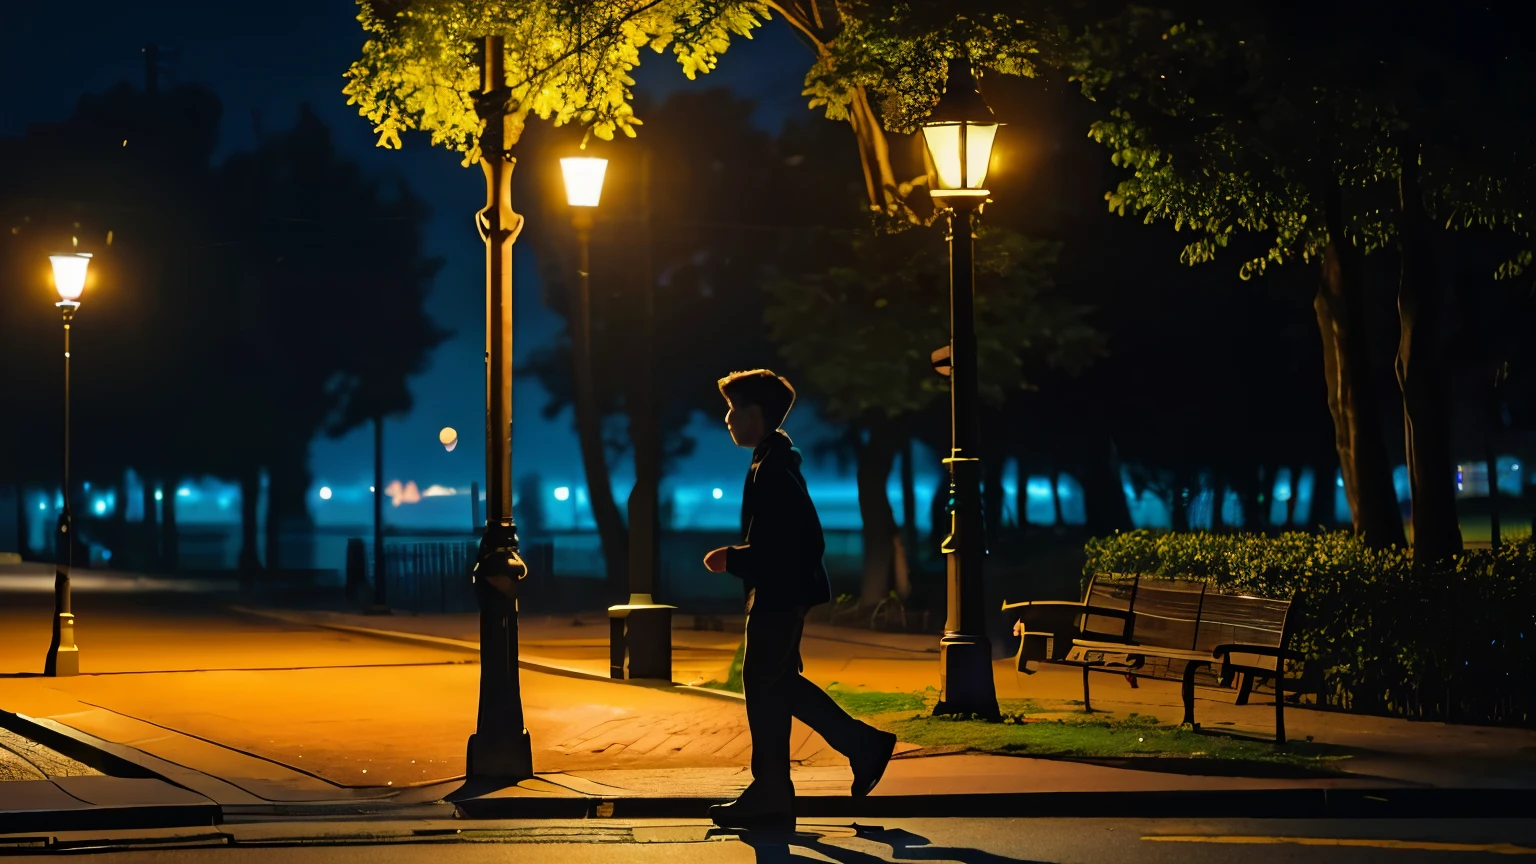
{"x": 562, "y": 493}
{"x": 718, "y": 493}
{"x": 106, "y": 554}
{"x": 101, "y": 507}
{"x": 42, "y": 505}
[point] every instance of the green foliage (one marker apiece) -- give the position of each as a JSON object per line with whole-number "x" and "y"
{"x": 1451, "y": 641}
{"x": 861, "y": 331}
{"x": 898, "y": 49}
{"x": 1230, "y": 120}
{"x": 732, "y": 680}
{"x": 566, "y": 60}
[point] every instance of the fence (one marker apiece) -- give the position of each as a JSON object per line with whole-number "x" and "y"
{"x": 433, "y": 576}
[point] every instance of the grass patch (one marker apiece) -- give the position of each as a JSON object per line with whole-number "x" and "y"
{"x": 732, "y": 680}
{"x": 1030, "y": 728}
{"x": 867, "y": 703}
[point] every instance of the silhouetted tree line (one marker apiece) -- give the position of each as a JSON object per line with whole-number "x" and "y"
{"x": 235, "y": 310}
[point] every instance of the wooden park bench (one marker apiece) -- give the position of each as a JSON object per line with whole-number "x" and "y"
{"x": 1166, "y": 629}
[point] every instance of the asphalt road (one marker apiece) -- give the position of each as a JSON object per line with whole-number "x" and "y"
{"x": 967, "y": 841}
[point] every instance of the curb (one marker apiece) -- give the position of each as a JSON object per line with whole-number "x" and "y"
{"x": 109, "y": 761}
{"x": 1259, "y": 803}
{"x": 474, "y": 648}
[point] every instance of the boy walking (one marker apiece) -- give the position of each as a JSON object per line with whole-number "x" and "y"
{"x": 780, "y": 566}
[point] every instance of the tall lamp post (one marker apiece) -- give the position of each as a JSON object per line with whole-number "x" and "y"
{"x": 63, "y": 654}
{"x": 958, "y": 136}
{"x": 640, "y": 631}
{"x": 499, "y": 750}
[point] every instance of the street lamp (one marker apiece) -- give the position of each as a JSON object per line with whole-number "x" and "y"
{"x": 640, "y": 631}
{"x": 499, "y": 751}
{"x": 958, "y": 136}
{"x": 63, "y": 654}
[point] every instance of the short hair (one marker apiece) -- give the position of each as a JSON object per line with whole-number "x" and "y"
{"x": 772, "y": 393}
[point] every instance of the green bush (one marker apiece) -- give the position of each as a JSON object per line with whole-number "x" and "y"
{"x": 1449, "y": 642}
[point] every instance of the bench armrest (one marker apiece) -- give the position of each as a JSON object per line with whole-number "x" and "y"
{"x": 1221, "y": 652}
{"x": 1041, "y": 604}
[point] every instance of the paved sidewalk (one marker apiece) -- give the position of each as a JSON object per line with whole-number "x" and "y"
{"x": 1424, "y": 753}
{"x": 258, "y": 712}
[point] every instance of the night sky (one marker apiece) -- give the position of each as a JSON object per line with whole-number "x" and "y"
{"x": 264, "y": 60}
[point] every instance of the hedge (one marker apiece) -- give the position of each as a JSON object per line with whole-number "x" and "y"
{"x": 1450, "y": 642}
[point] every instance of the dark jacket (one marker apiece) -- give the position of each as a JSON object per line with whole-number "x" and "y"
{"x": 780, "y": 559}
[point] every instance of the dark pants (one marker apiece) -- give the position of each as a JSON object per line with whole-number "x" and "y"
{"x": 776, "y": 691}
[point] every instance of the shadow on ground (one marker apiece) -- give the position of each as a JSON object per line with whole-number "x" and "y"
{"x": 776, "y": 847}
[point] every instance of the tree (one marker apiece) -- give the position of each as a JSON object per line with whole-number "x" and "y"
{"x": 859, "y": 333}
{"x": 126, "y": 176}
{"x": 566, "y": 62}
{"x": 329, "y": 277}
{"x": 1332, "y": 138}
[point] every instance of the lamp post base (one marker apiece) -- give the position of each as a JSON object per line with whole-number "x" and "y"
{"x": 63, "y": 654}
{"x": 965, "y": 684}
{"x": 504, "y": 756}
{"x": 640, "y": 639}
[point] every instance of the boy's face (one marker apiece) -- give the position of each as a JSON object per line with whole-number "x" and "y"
{"x": 746, "y": 424}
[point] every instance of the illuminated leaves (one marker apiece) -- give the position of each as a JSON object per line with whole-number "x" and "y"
{"x": 567, "y": 61}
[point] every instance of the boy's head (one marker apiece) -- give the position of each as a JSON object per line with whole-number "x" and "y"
{"x": 759, "y": 401}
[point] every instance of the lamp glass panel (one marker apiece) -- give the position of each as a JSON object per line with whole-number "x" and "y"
{"x": 69, "y": 274}
{"x": 943, "y": 141}
{"x": 583, "y": 179}
{"x": 978, "y": 153}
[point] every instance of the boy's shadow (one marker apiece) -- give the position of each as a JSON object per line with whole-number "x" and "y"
{"x": 773, "y": 847}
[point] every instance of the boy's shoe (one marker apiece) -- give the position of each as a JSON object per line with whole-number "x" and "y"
{"x": 751, "y": 817}
{"x": 869, "y": 764}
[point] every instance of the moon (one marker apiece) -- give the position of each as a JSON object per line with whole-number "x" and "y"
{"x": 449, "y": 438}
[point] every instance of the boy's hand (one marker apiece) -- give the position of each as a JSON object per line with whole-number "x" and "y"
{"x": 714, "y": 562}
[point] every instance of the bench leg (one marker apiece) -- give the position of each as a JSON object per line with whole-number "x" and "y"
{"x": 1188, "y": 692}
{"x": 1087, "y": 706}
{"x": 1279, "y": 709}
{"x": 1244, "y": 687}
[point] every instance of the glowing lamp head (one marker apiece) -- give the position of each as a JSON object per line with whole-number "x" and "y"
{"x": 449, "y": 438}
{"x": 958, "y": 136}
{"x": 583, "y": 179}
{"x": 69, "y": 274}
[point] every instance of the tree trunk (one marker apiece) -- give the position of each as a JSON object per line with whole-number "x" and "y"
{"x": 1422, "y": 376}
{"x": 1058, "y": 519}
{"x": 1250, "y": 495}
{"x": 992, "y": 496}
{"x": 170, "y": 545}
{"x": 1218, "y": 500}
{"x": 1178, "y": 499}
{"x": 149, "y": 530}
{"x": 1493, "y": 491}
{"x": 1340, "y": 309}
{"x": 876, "y": 457}
{"x": 250, "y": 490}
{"x": 1325, "y": 484}
{"x": 907, "y": 556}
{"x": 23, "y": 542}
{"x": 287, "y": 483}
{"x": 611, "y": 530}
{"x": 1104, "y": 504}
{"x": 1294, "y": 492}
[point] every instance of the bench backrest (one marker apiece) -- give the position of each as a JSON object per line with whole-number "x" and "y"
{"x": 1244, "y": 619}
{"x": 1174, "y": 613}
{"x": 1168, "y": 613}
{"x": 1109, "y": 591}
